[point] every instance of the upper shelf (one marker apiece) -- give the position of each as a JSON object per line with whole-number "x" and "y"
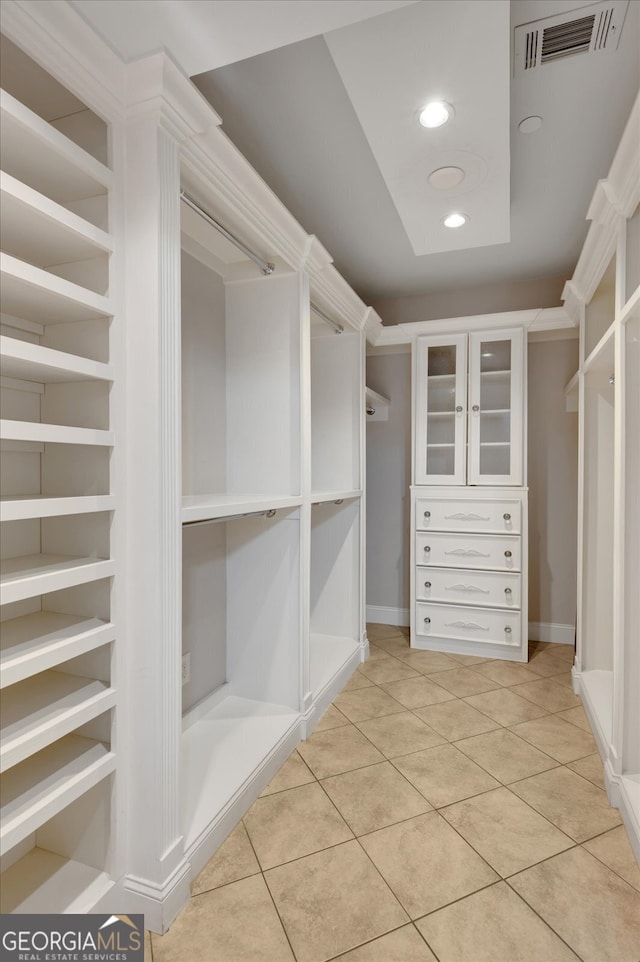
{"x": 32, "y": 362}
{"x": 32, "y": 575}
{"x": 36, "y": 295}
{"x": 377, "y": 406}
{"x": 42, "y": 157}
{"x": 202, "y": 507}
{"x": 42, "y": 232}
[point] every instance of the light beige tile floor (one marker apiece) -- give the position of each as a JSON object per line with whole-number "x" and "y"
{"x": 446, "y": 809}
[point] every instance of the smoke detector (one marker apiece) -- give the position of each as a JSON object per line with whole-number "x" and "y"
{"x": 586, "y": 30}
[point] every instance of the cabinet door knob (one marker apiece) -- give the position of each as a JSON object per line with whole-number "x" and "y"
{"x": 507, "y": 554}
{"x": 427, "y": 514}
{"x": 427, "y": 621}
{"x": 507, "y": 517}
{"x": 507, "y": 629}
{"x": 427, "y": 584}
{"x": 458, "y": 409}
{"x": 476, "y": 407}
{"x": 427, "y": 548}
{"x": 507, "y": 591}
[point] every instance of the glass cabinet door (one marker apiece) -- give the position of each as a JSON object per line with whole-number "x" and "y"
{"x": 441, "y": 387}
{"x": 495, "y": 407}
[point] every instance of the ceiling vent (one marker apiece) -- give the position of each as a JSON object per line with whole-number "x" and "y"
{"x": 588, "y": 29}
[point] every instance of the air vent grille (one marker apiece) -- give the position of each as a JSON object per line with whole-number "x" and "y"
{"x": 566, "y": 39}
{"x": 596, "y": 27}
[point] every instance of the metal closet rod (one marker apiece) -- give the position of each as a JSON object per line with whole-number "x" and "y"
{"x": 231, "y": 517}
{"x": 266, "y": 267}
{"x": 338, "y": 328}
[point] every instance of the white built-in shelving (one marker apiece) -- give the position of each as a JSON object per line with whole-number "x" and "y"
{"x": 57, "y": 503}
{"x": 604, "y": 295}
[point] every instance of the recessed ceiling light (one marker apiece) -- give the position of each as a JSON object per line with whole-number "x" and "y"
{"x": 530, "y": 124}
{"x": 455, "y": 220}
{"x": 446, "y": 177}
{"x": 435, "y": 114}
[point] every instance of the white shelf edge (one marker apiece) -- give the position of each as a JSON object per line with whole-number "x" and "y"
{"x": 58, "y": 288}
{"x": 196, "y": 507}
{"x": 54, "y": 433}
{"x": 631, "y": 308}
{"x": 41, "y": 574}
{"x": 52, "y": 638}
{"x": 60, "y": 775}
{"x": 33, "y": 362}
{"x": 19, "y": 509}
{"x": 44, "y": 882}
{"x": 323, "y": 497}
{"x": 39, "y": 206}
{"x": 55, "y": 140}
{"x": 62, "y": 703}
{"x": 572, "y": 385}
{"x": 597, "y": 355}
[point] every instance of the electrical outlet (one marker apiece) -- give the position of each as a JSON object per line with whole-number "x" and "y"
{"x": 186, "y": 668}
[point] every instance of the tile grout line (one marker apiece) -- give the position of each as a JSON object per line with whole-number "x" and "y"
{"x": 544, "y": 921}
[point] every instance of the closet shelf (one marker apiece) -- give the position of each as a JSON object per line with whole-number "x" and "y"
{"x": 631, "y": 309}
{"x": 377, "y": 406}
{"x": 322, "y": 497}
{"x": 17, "y": 508}
{"x": 32, "y": 362}
{"x": 36, "y": 642}
{"x": 601, "y": 359}
{"x": 327, "y": 656}
{"x": 45, "y": 298}
{"x": 47, "y": 160}
{"x": 39, "y": 710}
{"x": 41, "y": 787}
{"x": 44, "y": 882}
{"x": 39, "y": 231}
{"x": 32, "y": 575}
{"x": 54, "y": 433}
{"x": 225, "y": 739}
{"x": 201, "y": 507}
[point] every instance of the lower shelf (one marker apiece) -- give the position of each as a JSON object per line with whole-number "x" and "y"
{"x": 44, "y": 882}
{"x": 33, "y": 575}
{"x": 225, "y": 739}
{"x": 327, "y": 655}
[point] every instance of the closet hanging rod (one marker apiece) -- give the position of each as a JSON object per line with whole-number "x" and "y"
{"x": 266, "y": 267}
{"x": 231, "y": 517}
{"x": 338, "y": 328}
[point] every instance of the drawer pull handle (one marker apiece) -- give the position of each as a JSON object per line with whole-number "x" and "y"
{"x": 466, "y": 624}
{"x": 507, "y": 629}
{"x": 482, "y": 591}
{"x": 427, "y": 548}
{"x": 507, "y": 554}
{"x": 461, "y": 516}
{"x": 427, "y": 621}
{"x": 507, "y": 516}
{"x": 427, "y": 514}
{"x": 427, "y": 584}
{"x": 470, "y": 553}
{"x": 508, "y": 591}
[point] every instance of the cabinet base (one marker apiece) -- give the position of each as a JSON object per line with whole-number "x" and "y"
{"x": 456, "y": 647}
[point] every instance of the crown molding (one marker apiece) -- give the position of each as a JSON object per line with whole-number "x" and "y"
{"x": 572, "y": 301}
{"x": 336, "y": 297}
{"x": 58, "y": 38}
{"x": 538, "y": 320}
{"x": 624, "y": 175}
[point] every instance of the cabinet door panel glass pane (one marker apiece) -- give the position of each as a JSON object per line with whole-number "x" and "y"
{"x": 441, "y": 403}
{"x": 495, "y": 403}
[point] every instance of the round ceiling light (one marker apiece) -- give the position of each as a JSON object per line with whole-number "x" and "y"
{"x": 455, "y": 220}
{"x": 435, "y": 114}
{"x": 444, "y": 178}
{"x": 530, "y": 124}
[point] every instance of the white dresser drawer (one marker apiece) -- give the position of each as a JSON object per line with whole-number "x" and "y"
{"x": 452, "y": 514}
{"x": 485, "y": 625}
{"x": 497, "y": 552}
{"x": 462, "y": 586}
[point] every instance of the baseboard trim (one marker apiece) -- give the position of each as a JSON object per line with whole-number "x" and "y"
{"x": 388, "y": 616}
{"x": 554, "y": 633}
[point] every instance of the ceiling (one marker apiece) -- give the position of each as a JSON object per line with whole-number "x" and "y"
{"x": 322, "y": 98}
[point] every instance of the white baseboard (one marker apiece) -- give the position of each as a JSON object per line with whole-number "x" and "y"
{"x": 387, "y": 616}
{"x": 558, "y": 634}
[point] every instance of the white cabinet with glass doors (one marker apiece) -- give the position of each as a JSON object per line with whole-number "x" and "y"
{"x": 469, "y": 408}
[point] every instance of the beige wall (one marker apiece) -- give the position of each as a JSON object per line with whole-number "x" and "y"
{"x": 552, "y": 466}
{"x": 553, "y": 483}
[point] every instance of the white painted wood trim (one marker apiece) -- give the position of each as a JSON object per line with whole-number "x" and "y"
{"x": 380, "y": 615}
{"x": 552, "y": 632}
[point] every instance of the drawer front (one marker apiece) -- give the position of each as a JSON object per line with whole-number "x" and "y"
{"x": 501, "y": 552}
{"x": 484, "y": 625}
{"x": 451, "y": 514}
{"x": 462, "y": 586}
